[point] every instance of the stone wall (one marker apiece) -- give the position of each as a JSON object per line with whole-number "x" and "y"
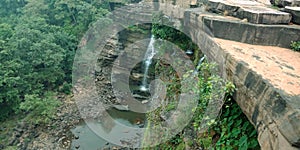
{"x": 270, "y": 110}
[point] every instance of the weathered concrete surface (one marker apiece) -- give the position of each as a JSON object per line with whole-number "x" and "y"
{"x": 253, "y": 11}
{"x": 268, "y": 90}
{"x": 295, "y": 11}
{"x": 283, "y": 3}
{"x": 265, "y": 2}
{"x": 230, "y": 28}
{"x": 268, "y": 84}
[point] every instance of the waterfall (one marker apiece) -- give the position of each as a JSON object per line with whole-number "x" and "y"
{"x": 198, "y": 65}
{"x": 147, "y": 62}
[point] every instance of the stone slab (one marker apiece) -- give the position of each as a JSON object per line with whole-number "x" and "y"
{"x": 263, "y": 15}
{"x": 266, "y": 2}
{"x": 283, "y": 3}
{"x": 258, "y": 34}
{"x": 295, "y": 11}
{"x": 253, "y": 11}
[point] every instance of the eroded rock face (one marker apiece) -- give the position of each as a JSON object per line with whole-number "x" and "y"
{"x": 128, "y": 46}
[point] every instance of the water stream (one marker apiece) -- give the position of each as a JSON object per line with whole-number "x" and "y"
{"x": 199, "y": 64}
{"x": 147, "y": 62}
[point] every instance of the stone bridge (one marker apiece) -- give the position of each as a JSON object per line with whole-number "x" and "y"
{"x": 250, "y": 42}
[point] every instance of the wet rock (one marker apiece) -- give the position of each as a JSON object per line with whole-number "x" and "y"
{"x": 77, "y": 146}
{"x": 121, "y": 107}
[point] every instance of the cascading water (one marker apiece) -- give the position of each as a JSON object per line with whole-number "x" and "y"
{"x": 147, "y": 62}
{"x": 198, "y": 65}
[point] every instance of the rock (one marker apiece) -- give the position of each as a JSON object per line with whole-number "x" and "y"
{"x": 140, "y": 97}
{"x": 121, "y": 107}
{"x": 295, "y": 11}
{"x": 141, "y": 125}
{"x": 20, "y": 130}
{"x": 253, "y": 11}
{"x": 266, "y": 2}
{"x": 283, "y": 3}
{"x": 115, "y": 148}
{"x": 18, "y": 134}
{"x": 145, "y": 101}
{"x": 263, "y": 15}
{"x": 137, "y": 75}
{"x": 76, "y": 137}
{"x": 77, "y": 146}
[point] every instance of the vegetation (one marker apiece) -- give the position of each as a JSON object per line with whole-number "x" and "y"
{"x": 164, "y": 29}
{"x": 295, "y": 45}
{"x": 228, "y": 130}
{"x": 38, "y": 40}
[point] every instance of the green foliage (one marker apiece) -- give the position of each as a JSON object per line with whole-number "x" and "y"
{"x": 162, "y": 28}
{"x": 295, "y": 45}
{"x": 208, "y": 82}
{"x": 11, "y": 7}
{"x": 236, "y": 132}
{"x": 38, "y": 41}
{"x": 75, "y": 16}
{"x": 41, "y": 109}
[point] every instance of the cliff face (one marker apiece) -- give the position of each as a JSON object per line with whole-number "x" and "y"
{"x": 121, "y": 58}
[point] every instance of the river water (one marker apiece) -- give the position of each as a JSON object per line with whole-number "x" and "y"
{"x": 88, "y": 140}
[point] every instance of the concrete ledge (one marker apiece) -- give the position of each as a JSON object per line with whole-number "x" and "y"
{"x": 267, "y": 93}
{"x": 283, "y": 3}
{"x": 295, "y": 11}
{"x": 229, "y": 28}
{"x": 253, "y": 11}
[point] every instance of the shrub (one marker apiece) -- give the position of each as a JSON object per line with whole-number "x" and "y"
{"x": 295, "y": 46}
{"x": 41, "y": 110}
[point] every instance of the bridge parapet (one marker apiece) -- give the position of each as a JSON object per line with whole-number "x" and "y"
{"x": 267, "y": 79}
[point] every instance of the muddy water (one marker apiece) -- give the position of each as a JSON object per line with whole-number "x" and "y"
{"x": 86, "y": 139}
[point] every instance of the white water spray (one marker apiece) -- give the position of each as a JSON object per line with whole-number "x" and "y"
{"x": 147, "y": 62}
{"x": 198, "y": 65}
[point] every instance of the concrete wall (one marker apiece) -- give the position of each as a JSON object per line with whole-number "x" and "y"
{"x": 270, "y": 110}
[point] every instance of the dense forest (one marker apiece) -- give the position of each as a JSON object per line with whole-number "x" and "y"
{"x": 38, "y": 40}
